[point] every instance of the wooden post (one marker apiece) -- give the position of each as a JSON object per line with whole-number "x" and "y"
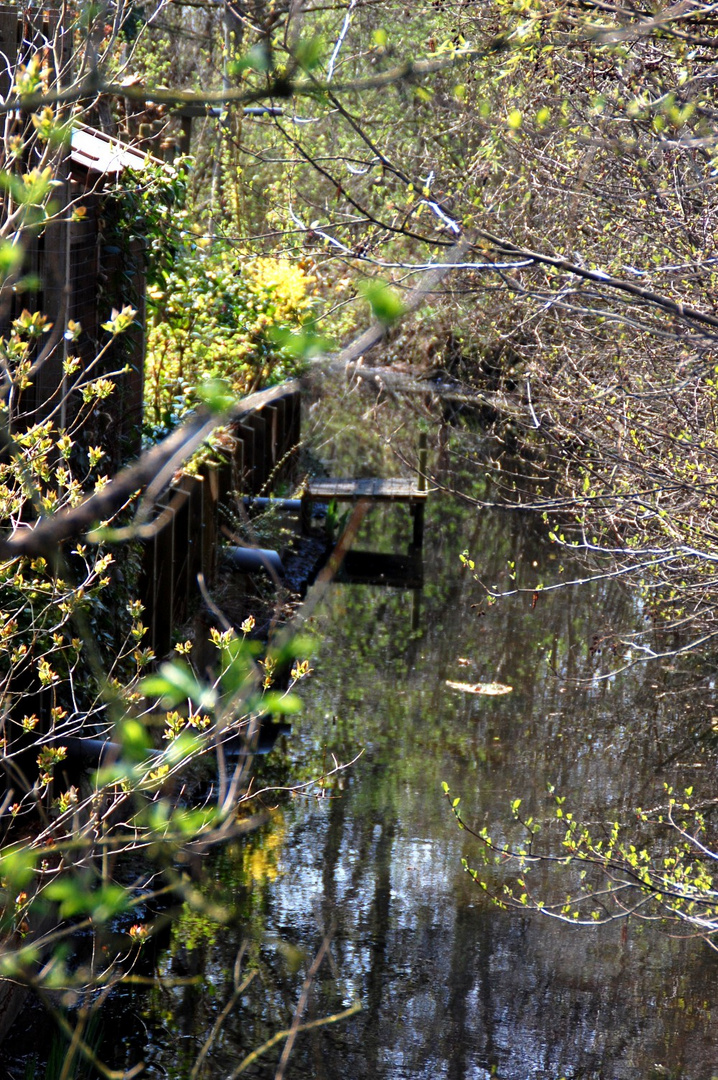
{"x": 186, "y": 542}
{"x": 162, "y": 587}
{"x": 210, "y": 500}
{"x": 259, "y": 473}
{"x": 423, "y": 455}
{"x": 195, "y": 539}
{"x": 294, "y": 418}
{"x": 305, "y": 514}
{"x": 10, "y": 40}
{"x": 417, "y": 510}
{"x": 240, "y": 458}
{"x": 417, "y": 513}
{"x": 282, "y": 445}
{"x": 271, "y": 412}
{"x": 246, "y": 434}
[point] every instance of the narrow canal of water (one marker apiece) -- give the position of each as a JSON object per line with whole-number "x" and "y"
{"x": 449, "y": 985}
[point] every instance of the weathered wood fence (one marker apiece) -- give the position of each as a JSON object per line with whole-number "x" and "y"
{"x": 258, "y": 450}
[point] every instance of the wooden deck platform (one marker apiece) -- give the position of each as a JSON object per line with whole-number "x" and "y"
{"x": 401, "y": 489}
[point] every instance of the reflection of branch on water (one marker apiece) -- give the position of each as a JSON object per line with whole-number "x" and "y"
{"x": 289, "y": 1034}
{"x": 239, "y": 988}
{"x": 322, "y": 1022}
{"x": 643, "y": 559}
{"x": 648, "y": 655}
{"x": 667, "y": 891}
{"x": 305, "y": 788}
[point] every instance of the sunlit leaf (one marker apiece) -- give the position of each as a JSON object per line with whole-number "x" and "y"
{"x": 281, "y": 704}
{"x": 308, "y": 52}
{"x": 11, "y": 256}
{"x": 216, "y": 395}
{"x": 133, "y": 738}
{"x": 255, "y": 59}
{"x": 488, "y": 689}
{"x": 175, "y": 682}
{"x": 17, "y": 866}
{"x": 384, "y": 301}
{"x": 300, "y": 344}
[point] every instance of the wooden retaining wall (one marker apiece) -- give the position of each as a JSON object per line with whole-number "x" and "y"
{"x": 258, "y": 452}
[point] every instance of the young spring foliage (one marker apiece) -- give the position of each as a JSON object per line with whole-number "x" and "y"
{"x": 658, "y": 866}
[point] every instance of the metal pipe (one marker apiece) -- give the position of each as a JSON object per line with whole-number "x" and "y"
{"x": 290, "y": 506}
{"x": 249, "y": 560}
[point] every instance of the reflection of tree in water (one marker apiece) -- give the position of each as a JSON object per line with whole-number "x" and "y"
{"x": 452, "y": 987}
{"x": 497, "y": 990}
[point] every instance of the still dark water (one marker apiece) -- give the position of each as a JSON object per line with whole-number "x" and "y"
{"x": 450, "y": 986}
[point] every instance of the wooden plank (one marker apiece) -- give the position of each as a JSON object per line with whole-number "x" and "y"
{"x": 258, "y": 474}
{"x": 53, "y": 256}
{"x": 195, "y": 513}
{"x": 296, "y": 430}
{"x": 281, "y": 447}
{"x": 398, "y": 489}
{"x": 161, "y": 588}
{"x": 267, "y": 416}
{"x": 239, "y": 467}
{"x": 187, "y": 542}
{"x": 210, "y": 501}
{"x": 271, "y": 416}
{"x": 246, "y": 434}
{"x": 180, "y": 570}
{"x": 289, "y": 432}
{"x": 291, "y": 425}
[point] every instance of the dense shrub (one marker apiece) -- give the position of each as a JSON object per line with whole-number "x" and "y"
{"x": 217, "y": 316}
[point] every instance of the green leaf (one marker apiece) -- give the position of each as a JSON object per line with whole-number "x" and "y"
{"x": 17, "y": 866}
{"x": 11, "y": 256}
{"x": 175, "y": 682}
{"x": 384, "y": 301}
{"x": 238, "y": 664}
{"x": 281, "y": 704}
{"x": 300, "y": 344}
{"x": 216, "y": 394}
{"x": 15, "y": 965}
{"x": 134, "y": 739}
{"x": 184, "y": 747}
{"x": 308, "y": 52}
{"x": 256, "y": 59}
{"x": 193, "y": 822}
{"x": 74, "y": 899}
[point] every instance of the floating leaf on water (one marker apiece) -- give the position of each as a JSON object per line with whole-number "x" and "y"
{"x": 488, "y": 689}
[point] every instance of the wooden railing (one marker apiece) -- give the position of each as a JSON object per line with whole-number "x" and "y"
{"x": 264, "y": 431}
